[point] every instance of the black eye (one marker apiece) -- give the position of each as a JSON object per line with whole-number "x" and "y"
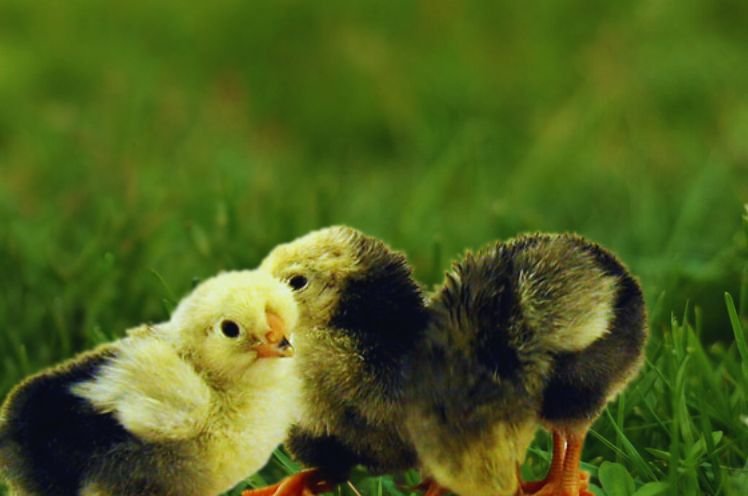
{"x": 229, "y": 328}
{"x": 298, "y": 282}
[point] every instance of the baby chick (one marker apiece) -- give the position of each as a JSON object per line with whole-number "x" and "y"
{"x": 360, "y": 316}
{"x": 543, "y": 329}
{"x": 187, "y": 407}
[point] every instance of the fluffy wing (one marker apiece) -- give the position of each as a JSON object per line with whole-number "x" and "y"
{"x": 151, "y": 391}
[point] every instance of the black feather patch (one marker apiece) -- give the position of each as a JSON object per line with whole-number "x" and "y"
{"x": 493, "y": 347}
{"x": 581, "y": 382}
{"x": 56, "y": 435}
{"x": 484, "y": 301}
{"x": 334, "y": 458}
{"x": 571, "y": 399}
{"x": 497, "y": 354}
{"x": 381, "y": 305}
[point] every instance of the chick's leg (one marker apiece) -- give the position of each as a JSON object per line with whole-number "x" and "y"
{"x": 564, "y": 477}
{"x": 262, "y": 491}
{"x": 570, "y": 477}
{"x": 434, "y": 489}
{"x": 305, "y": 483}
{"x": 557, "y": 464}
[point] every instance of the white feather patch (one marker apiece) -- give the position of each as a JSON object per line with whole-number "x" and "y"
{"x": 589, "y": 325}
{"x": 151, "y": 391}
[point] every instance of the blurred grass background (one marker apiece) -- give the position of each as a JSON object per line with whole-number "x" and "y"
{"x": 147, "y": 144}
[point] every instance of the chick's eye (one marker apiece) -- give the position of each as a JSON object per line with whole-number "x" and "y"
{"x": 229, "y": 328}
{"x": 298, "y": 282}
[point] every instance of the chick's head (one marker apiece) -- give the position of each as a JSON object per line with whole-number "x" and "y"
{"x": 315, "y": 267}
{"x": 348, "y": 281}
{"x": 231, "y": 320}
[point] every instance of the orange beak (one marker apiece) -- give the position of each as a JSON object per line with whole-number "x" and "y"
{"x": 276, "y": 343}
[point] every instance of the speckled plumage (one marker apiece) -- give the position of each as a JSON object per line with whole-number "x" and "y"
{"x": 542, "y": 329}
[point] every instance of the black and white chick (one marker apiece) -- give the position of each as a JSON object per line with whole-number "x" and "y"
{"x": 361, "y": 314}
{"x": 187, "y": 407}
{"x": 539, "y": 330}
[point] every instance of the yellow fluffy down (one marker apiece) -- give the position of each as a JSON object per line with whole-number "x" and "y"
{"x": 185, "y": 381}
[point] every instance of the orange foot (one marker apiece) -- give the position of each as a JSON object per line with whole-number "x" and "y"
{"x": 564, "y": 477}
{"x": 533, "y": 487}
{"x": 433, "y": 489}
{"x": 305, "y": 483}
{"x": 558, "y": 489}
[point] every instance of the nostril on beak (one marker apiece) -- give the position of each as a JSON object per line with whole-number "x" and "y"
{"x": 284, "y": 344}
{"x": 277, "y": 331}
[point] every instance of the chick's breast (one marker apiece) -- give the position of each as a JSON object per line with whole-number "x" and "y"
{"x": 245, "y": 429}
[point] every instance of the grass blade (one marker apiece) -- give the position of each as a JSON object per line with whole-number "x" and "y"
{"x": 652, "y": 489}
{"x": 615, "y": 479}
{"x": 740, "y": 339}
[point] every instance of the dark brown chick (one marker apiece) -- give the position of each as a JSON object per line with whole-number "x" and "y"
{"x": 360, "y": 316}
{"x": 543, "y": 329}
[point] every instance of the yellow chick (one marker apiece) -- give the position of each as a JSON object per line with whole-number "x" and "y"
{"x": 186, "y": 407}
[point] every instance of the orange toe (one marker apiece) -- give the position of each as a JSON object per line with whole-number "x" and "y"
{"x": 557, "y": 487}
{"x": 304, "y": 483}
{"x": 532, "y": 487}
{"x": 435, "y": 489}
{"x": 262, "y": 491}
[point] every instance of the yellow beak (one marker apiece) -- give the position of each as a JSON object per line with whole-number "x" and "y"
{"x": 276, "y": 343}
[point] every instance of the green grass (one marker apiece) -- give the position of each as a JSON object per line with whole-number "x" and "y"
{"x": 145, "y": 145}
